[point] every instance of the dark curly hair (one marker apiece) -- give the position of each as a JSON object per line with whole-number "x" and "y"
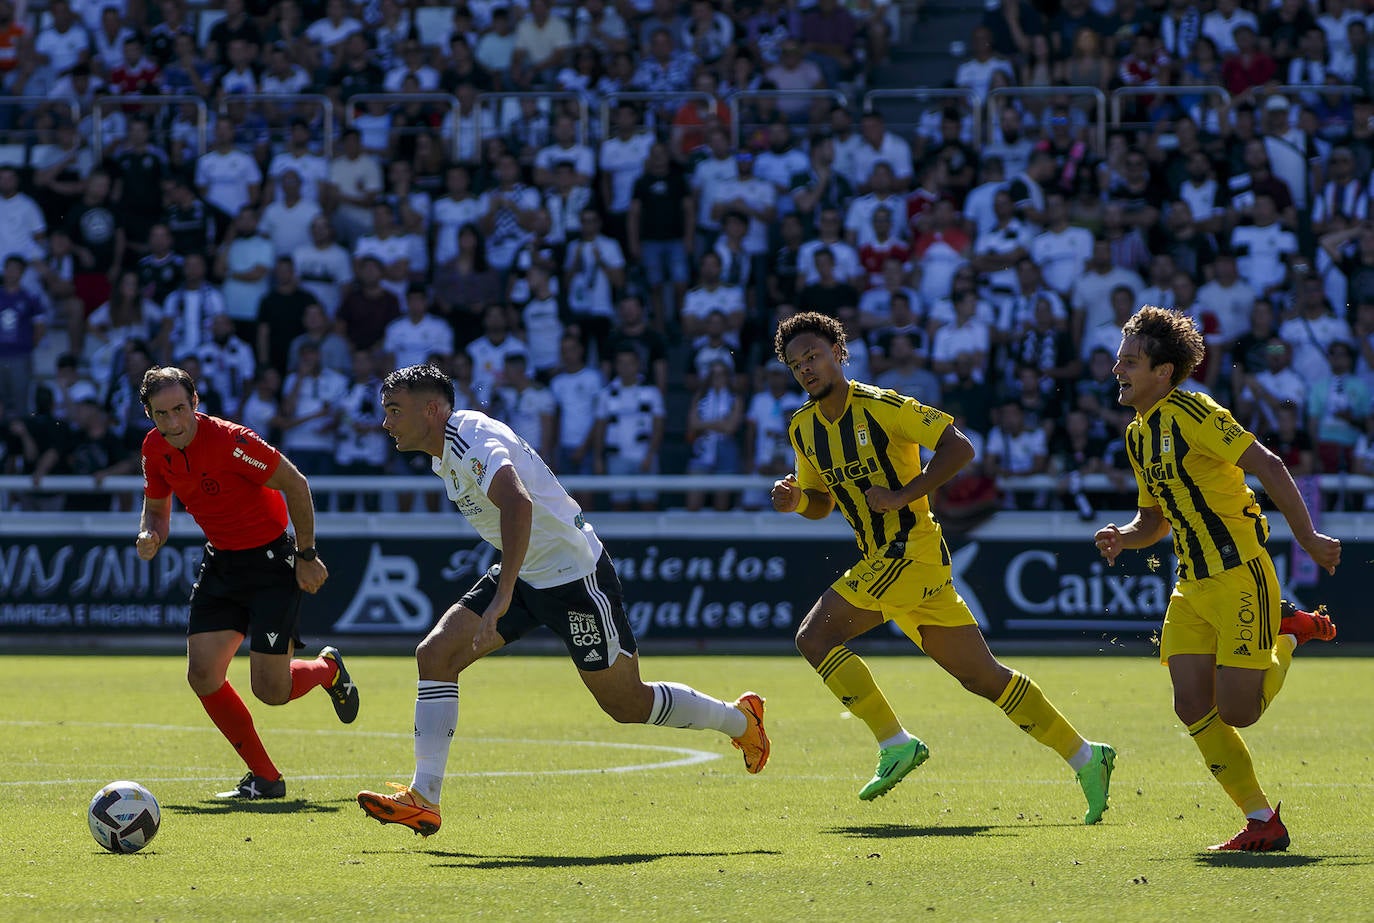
{"x": 1166, "y": 336}
{"x": 420, "y": 379}
{"x": 822, "y": 325}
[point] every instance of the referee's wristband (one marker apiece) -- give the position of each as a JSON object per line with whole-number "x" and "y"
{"x": 803, "y": 504}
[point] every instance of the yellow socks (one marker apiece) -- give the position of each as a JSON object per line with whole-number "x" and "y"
{"x": 1028, "y": 708}
{"x": 1278, "y": 670}
{"x": 846, "y": 675}
{"x": 1229, "y": 760}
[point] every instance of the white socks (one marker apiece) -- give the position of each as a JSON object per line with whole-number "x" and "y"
{"x": 896, "y": 740}
{"x": 1082, "y": 757}
{"x": 436, "y": 718}
{"x": 679, "y": 706}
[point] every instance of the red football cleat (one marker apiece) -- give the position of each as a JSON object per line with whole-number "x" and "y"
{"x": 1305, "y": 626}
{"x": 1258, "y": 836}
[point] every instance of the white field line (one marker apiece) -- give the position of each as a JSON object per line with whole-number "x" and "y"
{"x": 685, "y": 755}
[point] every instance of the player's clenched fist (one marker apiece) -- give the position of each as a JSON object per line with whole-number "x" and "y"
{"x": 1108, "y": 541}
{"x": 147, "y": 544}
{"x": 786, "y": 494}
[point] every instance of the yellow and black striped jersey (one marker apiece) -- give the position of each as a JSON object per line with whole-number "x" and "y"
{"x": 875, "y": 442}
{"x": 1184, "y": 451}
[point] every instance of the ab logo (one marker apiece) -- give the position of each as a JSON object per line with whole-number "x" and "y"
{"x": 388, "y": 597}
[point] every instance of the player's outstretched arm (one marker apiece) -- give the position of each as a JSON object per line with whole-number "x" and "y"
{"x": 153, "y": 525}
{"x": 300, "y": 506}
{"x": 1277, "y": 481}
{"x": 1147, "y": 527}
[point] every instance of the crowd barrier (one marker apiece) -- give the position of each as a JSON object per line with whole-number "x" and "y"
{"x": 707, "y": 577}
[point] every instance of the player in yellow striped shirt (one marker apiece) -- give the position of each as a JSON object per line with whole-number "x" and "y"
{"x": 1225, "y": 639}
{"x": 858, "y": 447}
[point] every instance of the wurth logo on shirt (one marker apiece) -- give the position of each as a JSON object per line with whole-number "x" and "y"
{"x": 248, "y": 459}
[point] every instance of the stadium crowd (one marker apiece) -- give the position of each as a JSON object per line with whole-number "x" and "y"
{"x": 611, "y": 292}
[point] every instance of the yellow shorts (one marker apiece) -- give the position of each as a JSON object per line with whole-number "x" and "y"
{"x": 1233, "y": 615}
{"x": 908, "y": 593}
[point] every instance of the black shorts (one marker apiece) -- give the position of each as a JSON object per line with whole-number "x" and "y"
{"x": 588, "y": 614}
{"x": 253, "y": 592}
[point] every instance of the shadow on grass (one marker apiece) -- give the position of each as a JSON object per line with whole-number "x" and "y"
{"x": 900, "y": 831}
{"x": 1269, "y": 860}
{"x": 259, "y": 806}
{"x": 573, "y": 862}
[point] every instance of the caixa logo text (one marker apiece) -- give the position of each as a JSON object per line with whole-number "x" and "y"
{"x": 1035, "y": 585}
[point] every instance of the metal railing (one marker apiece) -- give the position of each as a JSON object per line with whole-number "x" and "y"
{"x": 1099, "y": 128}
{"x": 354, "y": 102}
{"x": 740, "y": 100}
{"x": 30, "y": 104}
{"x": 546, "y": 101}
{"x": 270, "y": 102}
{"x": 609, "y": 103}
{"x": 103, "y": 103}
{"x": 1121, "y": 94}
{"x": 971, "y": 100}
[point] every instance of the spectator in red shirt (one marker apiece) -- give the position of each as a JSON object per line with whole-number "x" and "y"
{"x": 1249, "y": 66}
{"x": 240, "y": 491}
{"x": 135, "y": 75}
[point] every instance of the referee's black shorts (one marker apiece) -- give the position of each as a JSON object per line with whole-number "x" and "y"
{"x": 253, "y": 592}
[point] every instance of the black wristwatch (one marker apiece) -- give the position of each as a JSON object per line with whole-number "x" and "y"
{"x": 307, "y": 554}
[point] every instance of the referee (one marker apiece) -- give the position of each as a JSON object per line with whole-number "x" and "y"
{"x": 240, "y": 491}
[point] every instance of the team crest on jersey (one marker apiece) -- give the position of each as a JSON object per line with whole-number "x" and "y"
{"x": 479, "y": 470}
{"x": 861, "y": 432}
{"x": 1166, "y": 445}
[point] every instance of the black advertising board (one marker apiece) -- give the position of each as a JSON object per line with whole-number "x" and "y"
{"x": 699, "y": 588}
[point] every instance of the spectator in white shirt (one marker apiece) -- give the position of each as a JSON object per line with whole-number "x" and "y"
{"x": 628, "y": 435}
{"x": 311, "y": 169}
{"x": 63, "y": 44}
{"x": 1263, "y": 247}
{"x": 594, "y": 269}
{"x": 575, "y": 387}
{"x": 879, "y": 144}
{"x": 355, "y": 180}
{"x": 309, "y": 398}
{"x": 564, "y": 149}
{"x": 286, "y": 222}
{"x": 526, "y": 406}
{"x": 323, "y": 266}
{"x": 1062, "y": 251}
{"x": 488, "y": 352}
{"x": 226, "y": 361}
{"x": 226, "y": 177}
{"x": 413, "y": 58}
{"x": 415, "y": 336}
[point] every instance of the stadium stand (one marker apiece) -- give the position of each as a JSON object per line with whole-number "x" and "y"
{"x": 979, "y": 199}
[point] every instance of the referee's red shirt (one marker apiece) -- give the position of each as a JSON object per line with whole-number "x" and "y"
{"x": 219, "y": 478}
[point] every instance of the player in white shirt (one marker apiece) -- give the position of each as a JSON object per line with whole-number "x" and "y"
{"x": 554, "y": 572}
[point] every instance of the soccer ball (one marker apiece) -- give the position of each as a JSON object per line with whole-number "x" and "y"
{"x": 124, "y": 817}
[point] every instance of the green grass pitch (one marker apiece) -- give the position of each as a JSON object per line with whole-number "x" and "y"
{"x": 552, "y": 812}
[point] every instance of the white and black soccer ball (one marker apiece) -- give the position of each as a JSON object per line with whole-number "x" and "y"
{"x": 124, "y": 817}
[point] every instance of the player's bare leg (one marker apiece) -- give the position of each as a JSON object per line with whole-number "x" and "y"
{"x": 626, "y": 698}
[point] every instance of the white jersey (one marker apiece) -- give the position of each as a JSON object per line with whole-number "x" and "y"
{"x": 563, "y": 547}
